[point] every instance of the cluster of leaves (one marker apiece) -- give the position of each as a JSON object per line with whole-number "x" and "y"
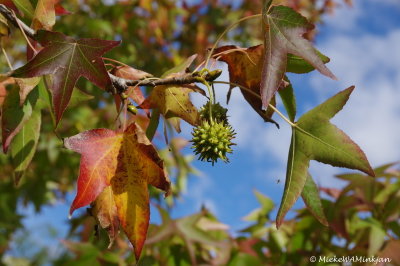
{"x": 116, "y": 166}
{"x": 363, "y": 217}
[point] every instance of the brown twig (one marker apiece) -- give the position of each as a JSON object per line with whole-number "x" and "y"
{"x": 119, "y": 84}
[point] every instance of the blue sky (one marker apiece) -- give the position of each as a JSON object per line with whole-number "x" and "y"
{"x": 363, "y": 44}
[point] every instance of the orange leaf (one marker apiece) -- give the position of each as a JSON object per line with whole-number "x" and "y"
{"x": 129, "y": 162}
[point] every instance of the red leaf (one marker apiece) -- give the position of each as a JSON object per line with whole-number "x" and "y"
{"x": 67, "y": 59}
{"x": 283, "y": 35}
{"x": 129, "y": 162}
{"x": 98, "y": 162}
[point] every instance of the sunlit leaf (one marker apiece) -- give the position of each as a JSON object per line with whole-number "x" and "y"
{"x": 315, "y": 138}
{"x": 128, "y": 162}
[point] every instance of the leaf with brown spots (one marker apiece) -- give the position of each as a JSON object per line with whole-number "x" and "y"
{"x": 128, "y": 162}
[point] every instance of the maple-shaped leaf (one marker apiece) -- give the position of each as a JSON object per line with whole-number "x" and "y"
{"x": 128, "y": 162}
{"x": 315, "y": 138}
{"x": 67, "y": 59}
{"x": 284, "y": 30}
{"x": 173, "y": 101}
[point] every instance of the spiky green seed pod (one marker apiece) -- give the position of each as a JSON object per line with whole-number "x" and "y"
{"x": 213, "y": 140}
{"x": 218, "y": 113}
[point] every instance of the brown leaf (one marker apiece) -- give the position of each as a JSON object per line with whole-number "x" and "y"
{"x": 245, "y": 65}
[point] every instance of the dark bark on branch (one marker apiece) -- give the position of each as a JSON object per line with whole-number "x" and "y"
{"x": 119, "y": 84}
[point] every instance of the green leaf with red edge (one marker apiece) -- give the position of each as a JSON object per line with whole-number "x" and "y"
{"x": 67, "y": 60}
{"x": 128, "y": 162}
{"x": 284, "y": 29}
{"x": 310, "y": 195}
{"x": 14, "y": 116}
{"x": 315, "y": 138}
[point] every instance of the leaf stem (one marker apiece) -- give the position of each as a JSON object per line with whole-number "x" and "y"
{"x": 6, "y": 56}
{"x": 225, "y": 31}
{"x": 287, "y": 120}
{"x": 115, "y": 61}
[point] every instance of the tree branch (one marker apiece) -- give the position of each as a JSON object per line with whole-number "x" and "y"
{"x": 11, "y": 17}
{"x": 119, "y": 84}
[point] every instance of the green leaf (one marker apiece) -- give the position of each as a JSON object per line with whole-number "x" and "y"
{"x": 296, "y": 64}
{"x": 67, "y": 60}
{"x": 289, "y": 101}
{"x": 180, "y": 69}
{"x": 79, "y": 96}
{"x": 24, "y": 144}
{"x": 315, "y": 138}
{"x": 312, "y": 200}
{"x": 243, "y": 259}
{"x": 283, "y": 33}
{"x": 266, "y": 203}
{"x": 153, "y": 124}
{"x": 25, "y": 6}
{"x": 14, "y": 116}
{"x": 45, "y": 98}
{"x": 188, "y": 227}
